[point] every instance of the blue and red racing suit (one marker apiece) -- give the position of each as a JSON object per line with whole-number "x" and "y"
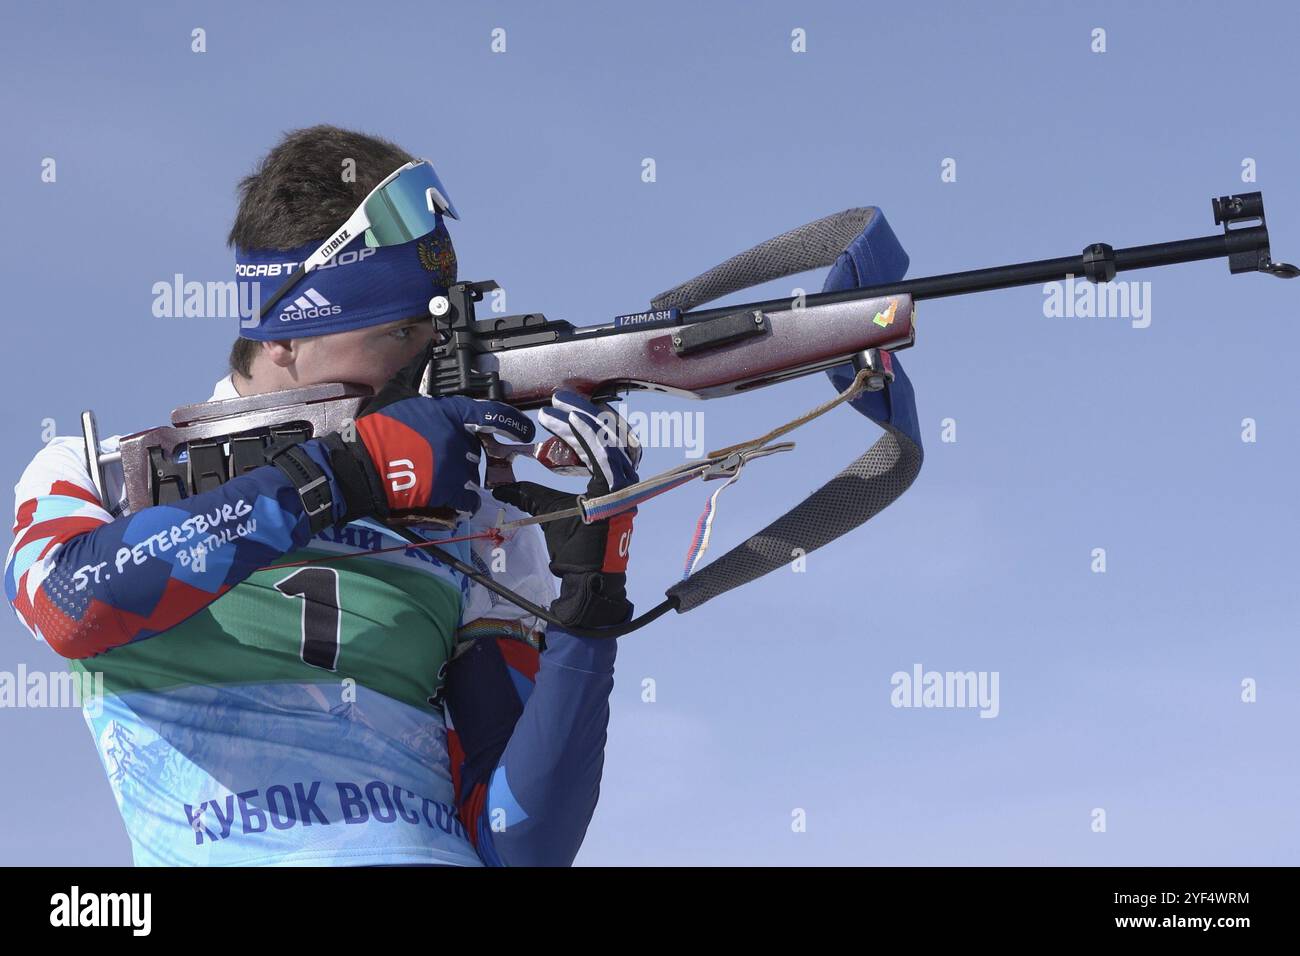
{"x": 304, "y": 714}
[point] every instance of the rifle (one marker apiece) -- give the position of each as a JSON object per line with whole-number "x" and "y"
{"x": 674, "y": 348}
{"x": 521, "y": 359}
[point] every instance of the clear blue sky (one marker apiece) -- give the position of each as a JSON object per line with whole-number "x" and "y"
{"x": 1119, "y": 691}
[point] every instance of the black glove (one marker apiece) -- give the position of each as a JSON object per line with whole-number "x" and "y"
{"x": 589, "y": 559}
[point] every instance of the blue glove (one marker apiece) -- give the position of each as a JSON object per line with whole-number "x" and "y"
{"x": 411, "y": 453}
{"x": 426, "y": 450}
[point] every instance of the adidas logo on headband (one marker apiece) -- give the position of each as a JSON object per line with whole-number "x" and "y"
{"x": 310, "y": 305}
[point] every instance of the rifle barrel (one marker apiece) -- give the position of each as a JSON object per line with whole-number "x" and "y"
{"x": 1088, "y": 264}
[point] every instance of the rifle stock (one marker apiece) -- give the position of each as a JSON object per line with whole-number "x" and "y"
{"x": 737, "y": 353}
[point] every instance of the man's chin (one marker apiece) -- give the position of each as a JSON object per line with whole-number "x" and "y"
{"x": 343, "y": 379}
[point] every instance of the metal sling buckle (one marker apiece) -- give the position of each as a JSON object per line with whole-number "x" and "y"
{"x": 730, "y": 466}
{"x": 326, "y": 503}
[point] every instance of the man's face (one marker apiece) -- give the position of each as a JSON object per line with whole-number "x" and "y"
{"x": 369, "y": 356}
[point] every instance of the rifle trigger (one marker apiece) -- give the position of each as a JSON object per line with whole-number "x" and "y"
{"x": 552, "y": 452}
{"x": 499, "y": 472}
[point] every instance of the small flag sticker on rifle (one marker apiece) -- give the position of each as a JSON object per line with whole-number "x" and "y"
{"x": 886, "y": 318}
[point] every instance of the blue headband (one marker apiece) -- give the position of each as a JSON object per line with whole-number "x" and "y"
{"x": 360, "y": 287}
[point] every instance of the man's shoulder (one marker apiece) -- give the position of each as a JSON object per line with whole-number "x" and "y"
{"x": 63, "y": 456}
{"x": 60, "y": 467}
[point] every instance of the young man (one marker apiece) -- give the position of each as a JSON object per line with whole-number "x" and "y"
{"x": 268, "y": 703}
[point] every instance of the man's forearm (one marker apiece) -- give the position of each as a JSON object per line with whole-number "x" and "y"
{"x": 533, "y": 767}
{"x": 140, "y": 574}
